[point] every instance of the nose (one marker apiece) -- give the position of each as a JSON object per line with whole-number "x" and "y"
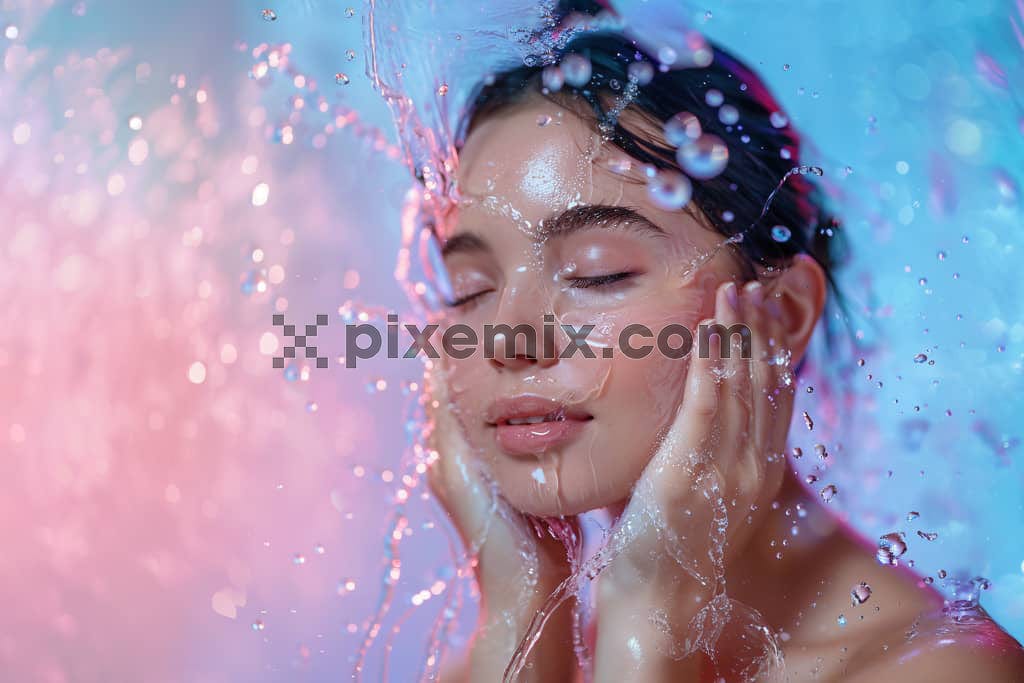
{"x": 524, "y": 344}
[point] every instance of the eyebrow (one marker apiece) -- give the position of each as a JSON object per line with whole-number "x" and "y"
{"x": 566, "y": 223}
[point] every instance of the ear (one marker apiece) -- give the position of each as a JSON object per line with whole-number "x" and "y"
{"x": 798, "y": 296}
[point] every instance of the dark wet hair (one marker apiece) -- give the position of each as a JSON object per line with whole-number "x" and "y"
{"x": 762, "y": 148}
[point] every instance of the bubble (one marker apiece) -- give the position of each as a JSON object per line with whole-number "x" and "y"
{"x": 829, "y": 492}
{"x": 703, "y": 158}
{"x": 682, "y": 129}
{"x": 714, "y": 98}
{"x": 552, "y": 78}
{"x": 667, "y": 55}
{"x": 728, "y": 114}
{"x": 778, "y": 119}
{"x": 860, "y": 593}
{"x": 669, "y": 190}
{"x": 780, "y": 233}
{"x": 928, "y": 536}
{"x": 342, "y": 79}
{"x": 577, "y": 70}
{"x": 641, "y": 72}
{"x": 269, "y": 15}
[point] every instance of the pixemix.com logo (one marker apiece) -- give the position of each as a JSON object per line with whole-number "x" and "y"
{"x": 635, "y": 341}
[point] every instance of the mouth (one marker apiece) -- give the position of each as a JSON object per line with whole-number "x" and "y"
{"x": 532, "y": 425}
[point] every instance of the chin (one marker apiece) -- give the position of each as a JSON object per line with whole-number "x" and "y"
{"x": 549, "y": 488}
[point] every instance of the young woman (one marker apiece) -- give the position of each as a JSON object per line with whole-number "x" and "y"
{"x": 611, "y": 193}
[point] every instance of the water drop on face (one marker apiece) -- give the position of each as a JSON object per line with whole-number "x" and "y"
{"x": 778, "y": 119}
{"x": 704, "y": 158}
{"x": 552, "y": 78}
{"x": 829, "y": 492}
{"x": 669, "y": 190}
{"x": 269, "y": 15}
{"x": 780, "y": 233}
{"x": 728, "y": 114}
{"x": 341, "y": 79}
{"x": 714, "y": 98}
{"x": 681, "y": 129}
{"x": 577, "y": 70}
{"x": 640, "y": 73}
{"x": 860, "y": 593}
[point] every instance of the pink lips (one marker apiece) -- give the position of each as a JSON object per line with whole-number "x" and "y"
{"x": 530, "y": 425}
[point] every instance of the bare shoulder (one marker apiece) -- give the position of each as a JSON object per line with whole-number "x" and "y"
{"x": 941, "y": 647}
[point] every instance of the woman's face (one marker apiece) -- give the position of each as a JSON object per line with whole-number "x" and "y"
{"x": 549, "y": 231}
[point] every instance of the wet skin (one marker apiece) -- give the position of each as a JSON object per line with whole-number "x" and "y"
{"x": 651, "y": 437}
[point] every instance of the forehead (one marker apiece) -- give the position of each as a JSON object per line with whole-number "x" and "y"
{"x": 539, "y": 158}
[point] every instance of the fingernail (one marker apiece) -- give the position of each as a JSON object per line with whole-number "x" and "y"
{"x": 754, "y": 291}
{"x": 732, "y": 295}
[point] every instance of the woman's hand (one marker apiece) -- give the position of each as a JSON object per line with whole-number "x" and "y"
{"x": 662, "y": 597}
{"x": 515, "y": 567}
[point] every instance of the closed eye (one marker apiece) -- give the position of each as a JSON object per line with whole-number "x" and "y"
{"x": 599, "y": 280}
{"x": 462, "y": 301}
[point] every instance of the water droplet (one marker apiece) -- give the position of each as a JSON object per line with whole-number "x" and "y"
{"x": 728, "y": 114}
{"x": 942, "y": 573}
{"x": 797, "y": 452}
{"x": 577, "y": 70}
{"x": 704, "y": 157}
{"x": 785, "y": 67}
{"x": 714, "y": 98}
{"x": 543, "y": 120}
{"x": 841, "y": 620}
{"x": 257, "y": 625}
{"x": 319, "y": 549}
{"x": 778, "y": 119}
{"x": 890, "y": 547}
{"x": 682, "y": 129}
{"x": 641, "y": 72}
{"x": 808, "y": 421}
{"x": 920, "y": 358}
{"x": 811, "y": 478}
{"x": 342, "y": 79}
{"x": 860, "y": 593}
{"x": 819, "y": 449}
{"x": 269, "y": 15}
{"x": 442, "y": 89}
{"x": 912, "y": 515}
{"x": 829, "y": 492}
{"x": 670, "y": 190}
{"x": 346, "y": 586}
{"x": 780, "y": 233}
{"x": 135, "y": 122}
{"x": 941, "y": 256}
{"x": 298, "y": 558}
{"x": 552, "y": 78}
{"x": 350, "y": 54}
{"x": 312, "y": 407}
{"x": 928, "y": 536}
